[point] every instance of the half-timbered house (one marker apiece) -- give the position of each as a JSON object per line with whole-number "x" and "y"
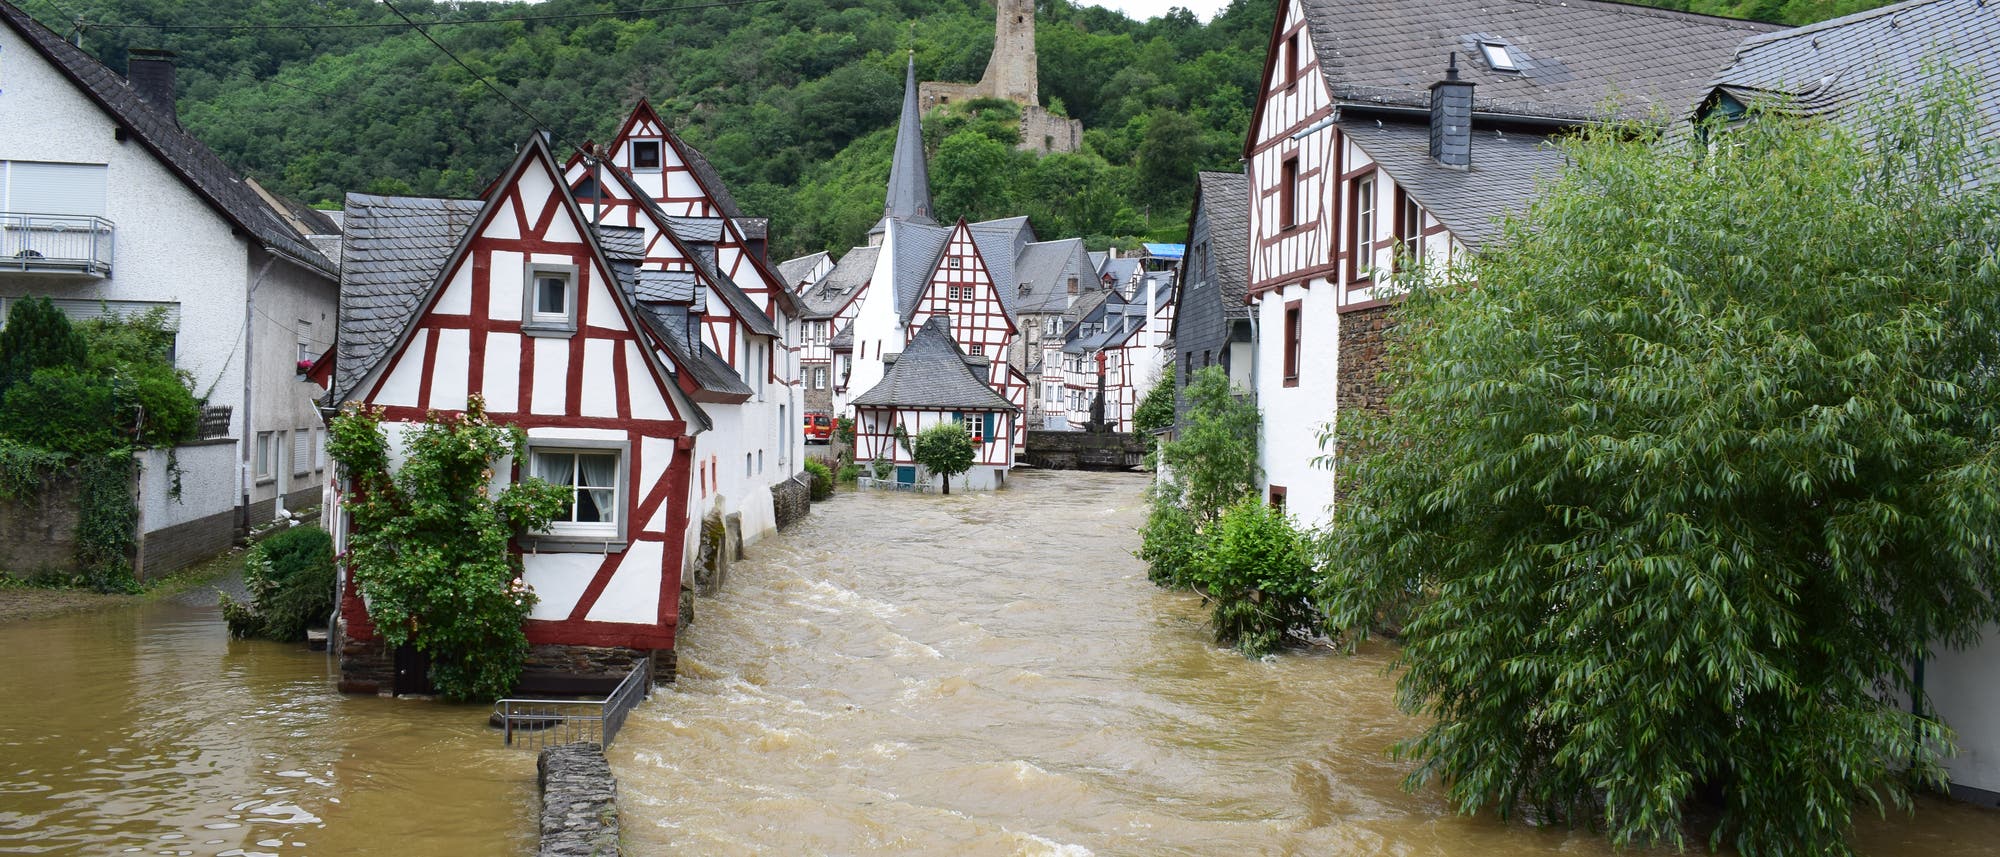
{"x": 649, "y": 180}
{"x": 1358, "y": 164}
{"x": 516, "y": 300}
{"x": 1212, "y": 321}
{"x": 933, "y": 381}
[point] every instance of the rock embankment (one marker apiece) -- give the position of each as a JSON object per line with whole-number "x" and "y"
{"x": 579, "y": 802}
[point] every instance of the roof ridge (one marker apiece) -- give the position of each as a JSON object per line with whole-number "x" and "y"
{"x": 1651, "y": 11}
{"x": 1842, "y": 21}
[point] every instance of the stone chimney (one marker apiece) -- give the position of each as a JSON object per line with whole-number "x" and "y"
{"x": 152, "y": 76}
{"x": 1451, "y": 119}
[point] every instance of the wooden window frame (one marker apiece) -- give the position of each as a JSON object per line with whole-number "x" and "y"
{"x": 1288, "y": 194}
{"x": 659, "y": 156}
{"x": 535, "y": 323}
{"x": 1409, "y": 227}
{"x": 1276, "y": 498}
{"x": 1360, "y": 261}
{"x": 585, "y": 538}
{"x": 1291, "y": 59}
{"x": 1294, "y": 340}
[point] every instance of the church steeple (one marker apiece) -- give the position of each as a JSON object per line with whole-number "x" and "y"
{"x": 909, "y": 176}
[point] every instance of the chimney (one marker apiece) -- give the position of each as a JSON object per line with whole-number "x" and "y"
{"x": 152, "y": 76}
{"x": 1451, "y": 119}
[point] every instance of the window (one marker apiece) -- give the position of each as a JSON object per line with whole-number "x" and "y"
{"x": 266, "y": 459}
{"x": 748, "y": 460}
{"x": 955, "y": 262}
{"x": 1291, "y": 60}
{"x": 1288, "y": 191}
{"x": 1292, "y": 333}
{"x": 645, "y": 155}
{"x": 1278, "y": 498}
{"x": 760, "y": 461}
{"x": 302, "y": 456}
{"x": 1187, "y": 368}
{"x": 1409, "y": 227}
{"x": 819, "y": 377}
{"x": 1364, "y": 228}
{"x": 306, "y": 350}
{"x": 1498, "y": 57}
{"x": 594, "y": 478}
{"x": 551, "y": 300}
{"x": 1072, "y": 285}
{"x": 32, "y": 187}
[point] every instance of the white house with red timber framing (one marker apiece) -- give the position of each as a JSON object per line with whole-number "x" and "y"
{"x": 1355, "y": 166}
{"x": 931, "y": 381}
{"x": 649, "y": 180}
{"x": 514, "y": 299}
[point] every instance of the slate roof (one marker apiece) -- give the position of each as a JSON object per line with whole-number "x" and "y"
{"x": 1120, "y": 270}
{"x": 1047, "y": 266}
{"x": 844, "y": 340}
{"x": 753, "y": 228}
{"x": 932, "y": 372}
{"x": 702, "y": 253}
{"x": 680, "y": 287}
{"x": 393, "y": 249}
{"x": 711, "y": 180}
{"x": 1503, "y": 177}
{"x": 703, "y": 230}
{"x": 1576, "y": 56}
{"x": 1226, "y": 199}
{"x": 909, "y": 195}
{"x": 160, "y": 132}
{"x": 918, "y": 249}
{"x": 622, "y": 243}
{"x": 795, "y": 270}
{"x": 668, "y": 322}
{"x": 1835, "y": 67}
{"x": 834, "y": 290}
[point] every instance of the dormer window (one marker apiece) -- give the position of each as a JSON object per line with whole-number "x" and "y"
{"x": 646, "y": 155}
{"x": 1497, "y": 56}
{"x": 551, "y": 301}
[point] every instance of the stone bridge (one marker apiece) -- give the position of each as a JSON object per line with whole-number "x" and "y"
{"x": 1082, "y": 450}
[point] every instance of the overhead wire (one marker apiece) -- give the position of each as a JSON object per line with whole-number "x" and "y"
{"x": 407, "y": 22}
{"x": 539, "y": 124}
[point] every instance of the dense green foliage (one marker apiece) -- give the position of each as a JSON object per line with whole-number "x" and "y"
{"x": 1675, "y": 495}
{"x": 1155, "y": 412}
{"x": 37, "y": 336}
{"x": 944, "y": 449}
{"x": 822, "y": 479}
{"x": 1255, "y": 569}
{"x": 430, "y": 542}
{"x": 78, "y": 399}
{"x": 290, "y": 581}
{"x": 1207, "y": 530}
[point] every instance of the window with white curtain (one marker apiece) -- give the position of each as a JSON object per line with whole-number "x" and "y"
{"x": 595, "y": 479}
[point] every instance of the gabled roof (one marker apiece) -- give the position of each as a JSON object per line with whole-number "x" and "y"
{"x": 840, "y": 285}
{"x": 932, "y": 372}
{"x": 1225, "y": 198}
{"x": 1471, "y": 202}
{"x": 160, "y": 132}
{"x": 394, "y": 248}
{"x": 1046, "y": 267}
{"x": 796, "y": 270}
{"x": 1835, "y": 67}
{"x": 622, "y": 243}
{"x": 1575, "y": 57}
{"x": 716, "y": 379}
{"x": 702, "y": 254}
{"x": 918, "y": 249}
{"x": 844, "y": 340}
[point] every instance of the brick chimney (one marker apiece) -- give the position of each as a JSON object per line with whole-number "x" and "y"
{"x": 152, "y": 75}
{"x": 1451, "y": 119}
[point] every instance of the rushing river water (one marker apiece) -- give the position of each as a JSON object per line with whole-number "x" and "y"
{"x": 993, "y": 674}
{"x": 976, "y": 674}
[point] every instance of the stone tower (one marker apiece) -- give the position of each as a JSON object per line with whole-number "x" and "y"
{"x": 1011, "y": 74}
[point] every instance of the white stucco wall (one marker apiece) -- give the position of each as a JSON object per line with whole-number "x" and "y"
{"x": 1293, "y": 415}
{"x": 207, "y": 482}
{"x": 1965, "y": 692}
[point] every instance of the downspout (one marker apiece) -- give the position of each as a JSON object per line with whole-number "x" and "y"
{"x": 249, "y": 477}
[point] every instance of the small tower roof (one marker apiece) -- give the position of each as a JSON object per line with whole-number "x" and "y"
{"x": 909, "y": 176}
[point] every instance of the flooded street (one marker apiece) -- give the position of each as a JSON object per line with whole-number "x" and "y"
{"x": 985, "y": 674}
{"x": 146, "y": 730}
{"x": 993, "y": 674}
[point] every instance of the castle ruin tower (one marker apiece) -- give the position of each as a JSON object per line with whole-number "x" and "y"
{"x": 1010, "y": 72}
{"x": 1011, "y": 75}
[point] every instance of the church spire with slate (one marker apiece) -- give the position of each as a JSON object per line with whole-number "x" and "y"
{"x": 909, "y": 176}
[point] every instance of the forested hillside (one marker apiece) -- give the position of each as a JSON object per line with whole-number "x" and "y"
{"x": 792, "y": 99}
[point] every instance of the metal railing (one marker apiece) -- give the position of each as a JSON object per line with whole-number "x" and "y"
{"x": 539, "y": 723}
{"x": 65, "y": 242}
{"x": 214, "y": 422}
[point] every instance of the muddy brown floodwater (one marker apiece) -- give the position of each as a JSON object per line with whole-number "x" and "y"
{"x": 993, "y": 674}
{"x": 146, "y": 730}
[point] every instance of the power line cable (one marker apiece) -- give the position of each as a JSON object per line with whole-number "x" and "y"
{"x": 539, "y": 124}
{"x": 407, "y": 22}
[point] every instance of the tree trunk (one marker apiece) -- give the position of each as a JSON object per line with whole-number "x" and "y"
{"x": 946, "y": 478}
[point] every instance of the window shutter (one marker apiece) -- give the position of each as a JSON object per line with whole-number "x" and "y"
{"x": 989, "y": 427}
{"x": 302, "y": 451}
{"x": 38, "y": 188}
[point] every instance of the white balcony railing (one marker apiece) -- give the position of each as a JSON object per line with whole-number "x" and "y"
{"x": 75, "y": 243}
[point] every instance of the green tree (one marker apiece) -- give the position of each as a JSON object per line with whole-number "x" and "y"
{"x": 1676, "y": 495}
{"x": 1156, "y": 410}
{"x": 37, "y": 336}
{"x": 971, "y": 176}
{"x": 1255, "y": 570}
{"x": 429, "y": 546}
{"x": 944, "y": 449}
{"x": 1213, "y": 458}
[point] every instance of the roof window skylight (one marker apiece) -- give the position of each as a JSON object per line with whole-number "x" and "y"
{"x": 1497, "y": 56}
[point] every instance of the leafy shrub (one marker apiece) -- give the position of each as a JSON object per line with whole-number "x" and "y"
{"x": 849, "y": 472}
{"x": 155, "y": 397}
{"x": 290, "y": 580}
{"x": 1155, "y": 412}
{"x": 1214, "y": 456}
{"x": 65, "y": 409}
{"x": 882, "y": 468}
{"x": 1170, "y": 544}
{"x": 37, "y": 336}
{"x": 822, "y": 480}
{"x": 1256, "y": 569}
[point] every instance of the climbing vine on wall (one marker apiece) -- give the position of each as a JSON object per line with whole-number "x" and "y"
{"x": 429, "y": 546}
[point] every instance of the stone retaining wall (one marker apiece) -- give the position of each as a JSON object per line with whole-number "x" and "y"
{"x": 579, "y": 802}
{"x": 792, "y": 499}
{"x": 1082, "y": 450}
{"x": 38, "y": 531}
